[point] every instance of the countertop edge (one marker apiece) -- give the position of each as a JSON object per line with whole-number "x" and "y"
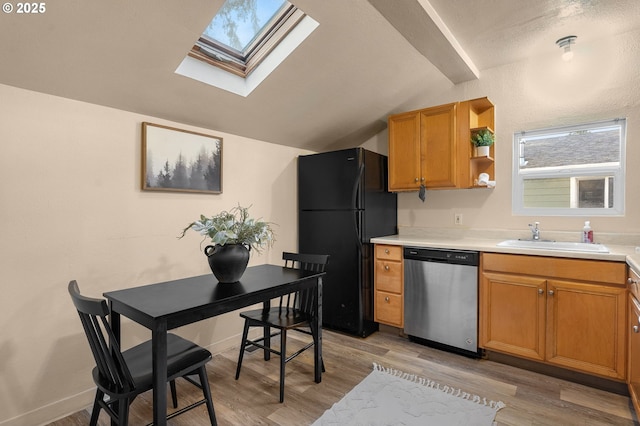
{"x": 617, "y": 253}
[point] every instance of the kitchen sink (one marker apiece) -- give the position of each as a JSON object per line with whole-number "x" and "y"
{"x": 554, "y": 245}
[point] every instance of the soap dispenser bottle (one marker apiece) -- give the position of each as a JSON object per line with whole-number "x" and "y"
{"x": 587, "y": 233}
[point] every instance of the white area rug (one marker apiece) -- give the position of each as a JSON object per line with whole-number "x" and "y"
{"x": 390, "y": 397}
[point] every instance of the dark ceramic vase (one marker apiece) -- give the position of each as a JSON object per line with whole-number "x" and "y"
{"x": 228, "y": 262}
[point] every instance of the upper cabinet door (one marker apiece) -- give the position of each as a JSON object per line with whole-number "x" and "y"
{"x": 422, "y": 149}
{"x": 404, "y": 151}
{"x": 438, "y": 146}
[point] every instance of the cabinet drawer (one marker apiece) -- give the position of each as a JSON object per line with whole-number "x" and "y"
{"x": 388, "y": 276}
{"x": 389, "y": 252}
{"x": 389, "y": 309}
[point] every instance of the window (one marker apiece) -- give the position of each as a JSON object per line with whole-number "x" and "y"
{"x": 244, "y": 32}
{"x": 575, "y": 170}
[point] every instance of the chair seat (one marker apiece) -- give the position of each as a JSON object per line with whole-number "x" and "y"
{"x": 183, "y": 357}
{"x": 278, "y": 317}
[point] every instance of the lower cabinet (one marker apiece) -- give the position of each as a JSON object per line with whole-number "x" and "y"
{"x": 634, "y": 340}
{"x": 566, "y": 312}
{"x": 388, "y": 285}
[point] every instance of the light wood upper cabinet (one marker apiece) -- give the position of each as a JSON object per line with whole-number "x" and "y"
{"x": 567, "y": 312}
{"x": 432, "y": 147}
{"x": 404, "y": 149}
{"x": 438, "y": 143}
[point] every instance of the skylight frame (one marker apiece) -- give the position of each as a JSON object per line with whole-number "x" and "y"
{"x": 233, "y": 61}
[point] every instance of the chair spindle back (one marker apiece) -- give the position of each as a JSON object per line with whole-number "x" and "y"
{"x": 104, "y": 347}
{"x": 303, "y": 300}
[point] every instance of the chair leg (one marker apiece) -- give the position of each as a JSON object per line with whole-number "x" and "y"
{"x": 95, "y": 412}
{"x": 206, "y": 390}
{"x": 123, "y": 412}
{"x": 174, "y": 395}
{"x": 283, "y": 358}
{"x": 245, "y": 333}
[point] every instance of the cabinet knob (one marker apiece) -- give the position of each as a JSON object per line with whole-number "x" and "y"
{"x": 550, "y": 292}
{"x": 386, "y": 251}
{"x": 417, "y": 180}
{"x": 540, "y": 291}
{"x": 386, "y": 267}
{"x": 422, "y": 179}
{"x": 635, "y": 329}
{"x": 386, "y": 299}
{"x": 632, "y": 281}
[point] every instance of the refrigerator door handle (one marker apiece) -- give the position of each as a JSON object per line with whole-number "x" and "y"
{"x": 356, "y": 186}
{"x": 357, "y": 221}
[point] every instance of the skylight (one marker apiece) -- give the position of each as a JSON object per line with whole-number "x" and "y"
{"x": 238, "y": 23}
{"x": 244, "y": 42}
{"x": 244, "y": 32}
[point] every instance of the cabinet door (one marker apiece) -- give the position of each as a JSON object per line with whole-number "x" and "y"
{"x": 438, "y": 146}
{"x": 634, "y": 352}
{"x": 586, "y": 327}
{"x": 512, "y": 316}
{"x": 404, "y": 152}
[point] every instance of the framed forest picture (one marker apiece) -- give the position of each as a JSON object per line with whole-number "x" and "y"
{"x": 180, "y": 160}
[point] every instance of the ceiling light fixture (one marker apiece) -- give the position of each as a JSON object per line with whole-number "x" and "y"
{"x": 565, "y": 44}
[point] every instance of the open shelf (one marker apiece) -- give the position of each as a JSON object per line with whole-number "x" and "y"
{"x": 481, "y": 117}
{"x": 478, "y": 129}
{"x": 483, "y": 159}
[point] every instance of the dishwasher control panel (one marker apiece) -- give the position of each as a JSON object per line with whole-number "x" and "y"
{"x": 459, "y": 257}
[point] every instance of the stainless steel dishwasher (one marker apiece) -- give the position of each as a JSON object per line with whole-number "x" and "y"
{"x": 441, "y": 298}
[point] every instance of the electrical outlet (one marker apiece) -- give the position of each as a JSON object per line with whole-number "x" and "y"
{"x": 457, "y": 219}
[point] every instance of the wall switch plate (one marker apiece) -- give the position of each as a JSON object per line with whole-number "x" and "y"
{"x": 457, "y": 219}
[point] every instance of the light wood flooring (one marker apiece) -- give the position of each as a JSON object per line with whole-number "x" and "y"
{"x": 530, "y": 398}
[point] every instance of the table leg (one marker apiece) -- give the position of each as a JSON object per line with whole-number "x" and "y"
{"x": 266, "y": 332}
{"x": 159, "y": 353}
{"x": 317, "y": 320}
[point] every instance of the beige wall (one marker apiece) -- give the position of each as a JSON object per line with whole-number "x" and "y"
{"x": 602, "y": 82}
{"x": 71, "y": 208}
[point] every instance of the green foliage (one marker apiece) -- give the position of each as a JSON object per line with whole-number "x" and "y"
{"x": 234, "y": 227}
{"x": 482, "y": 138}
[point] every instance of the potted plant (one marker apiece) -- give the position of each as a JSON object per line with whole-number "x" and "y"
{"x": 482, "y": 140}
{"x": 233, "y": 234}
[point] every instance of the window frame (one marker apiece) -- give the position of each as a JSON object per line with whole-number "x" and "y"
{"x": 617, "y": 170}
{"x": 233, "y": 61}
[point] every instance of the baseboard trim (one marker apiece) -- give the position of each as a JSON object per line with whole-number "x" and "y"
{"x": 601, "y": 383}
{"x": 53, "y": 411}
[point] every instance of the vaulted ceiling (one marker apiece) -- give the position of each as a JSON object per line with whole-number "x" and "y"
{"x": 366, "y": 60}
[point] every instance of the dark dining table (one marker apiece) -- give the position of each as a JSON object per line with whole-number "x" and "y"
{"x": 171, "y": 304}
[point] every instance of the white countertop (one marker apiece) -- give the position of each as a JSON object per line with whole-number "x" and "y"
{"x": 617, "y": 253}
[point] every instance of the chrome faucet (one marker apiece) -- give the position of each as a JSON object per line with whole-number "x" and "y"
{"x": 535, "y": 231}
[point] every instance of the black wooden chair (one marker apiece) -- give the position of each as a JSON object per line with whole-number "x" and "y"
{"x": 124, "y": 375}
{"x": 294, "y": 312}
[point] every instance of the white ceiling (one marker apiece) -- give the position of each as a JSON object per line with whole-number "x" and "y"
{"x": 335, "y": 90}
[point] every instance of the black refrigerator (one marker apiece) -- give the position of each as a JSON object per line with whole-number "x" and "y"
{"x": 343, "y": 202}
